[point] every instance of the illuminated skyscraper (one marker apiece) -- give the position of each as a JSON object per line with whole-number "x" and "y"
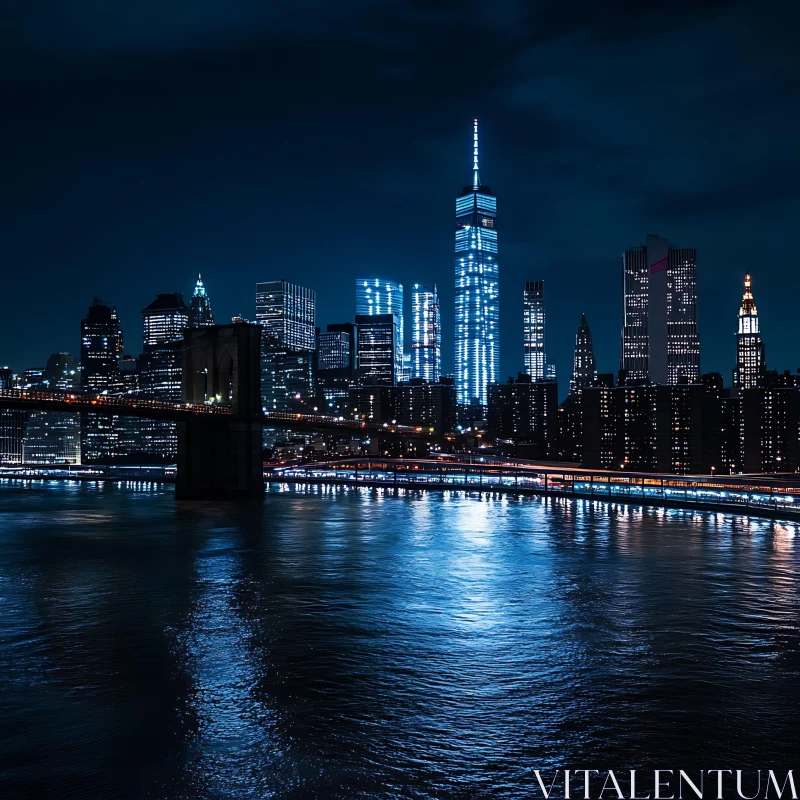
{"x": 659, "y": 334}
{"x": 161, "y": 369}
{"x": 165, "y": 319}
{"x": 378, "y": 296}
{"x": 288, "y": 338}
{"x": 584, "y": 368}
{"x": 101, "y": 349}
{"x": 377, "y": 349}
{"x": 477, "y": 309}
{"x": 336, "y": 366}
{"x": 751, "y": 359}
{"x": 200, "y": 314}
{"x": 533, "y": 330}
{"x": 426, "y": 333}
{"x": 101, "y": 357}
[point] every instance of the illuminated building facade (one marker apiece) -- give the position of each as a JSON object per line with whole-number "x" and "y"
{"x": 408, "y": 369}
{"x": 377, "y": 349}
{"x": 427, "y": 404}
{"x": 160, "y": 370}
{"x": 770, "y": 424}
{"x": 200, "y": 314}
{"x": 336, "y": 366}
{"x": 750, "y": 351}
{"x": 286, "y": 313}
{"x": 101, "y": 356}
{"x": 378, "y": 297}
{"x": 53, "y": 437}
{"x": 533, "y": 330}
{"x": 659, "y": 335}
{"x": 12, "y": 424}
{"x": 426, "y": 333}
{"x": 584, "y": 366}
{"x": 101, "y": 349}
{"x": 477, "y": 309}
{"x": 643, "y": 428}
{"x": 333, "y": 350}
{"x": 525, "y": 410}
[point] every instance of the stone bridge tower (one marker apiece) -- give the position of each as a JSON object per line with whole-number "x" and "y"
{"x": 220, "y": 457}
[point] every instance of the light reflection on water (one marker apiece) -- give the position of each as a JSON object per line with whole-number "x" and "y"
{"x": 343, "y": 642}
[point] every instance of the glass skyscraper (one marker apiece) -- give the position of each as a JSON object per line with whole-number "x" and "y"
{"x": 533, "y": 330}
{"x": 426, "y": 333}
{"x": 477, "y": 308}
{"x": 659, "y": 334}
{"x": 285, "y": 312}
{"x": 375, "y": 296}
{"x": 377, "y": 349}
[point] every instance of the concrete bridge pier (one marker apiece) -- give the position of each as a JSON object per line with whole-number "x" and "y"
{"x": 220, "y": 457}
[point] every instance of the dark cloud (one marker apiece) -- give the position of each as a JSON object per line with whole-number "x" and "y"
{"x": 314, "y": 140}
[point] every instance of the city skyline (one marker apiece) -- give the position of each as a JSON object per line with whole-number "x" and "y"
{"x": 173, "y": 178}
{"x": 302, "y": 300}
{"x": 679, "y": 262}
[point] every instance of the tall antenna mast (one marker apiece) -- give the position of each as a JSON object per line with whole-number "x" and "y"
{"x": 476, "y": 180}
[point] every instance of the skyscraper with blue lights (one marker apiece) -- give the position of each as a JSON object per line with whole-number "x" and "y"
{"x": 477, "y": 309}
{"x": 426, "y": 333}
{"x": 375, "y": 296}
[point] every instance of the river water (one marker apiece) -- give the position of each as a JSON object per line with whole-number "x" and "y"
{"x": 371, "y": 643}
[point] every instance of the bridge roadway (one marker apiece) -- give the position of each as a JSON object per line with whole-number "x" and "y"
{"x": 131, "y": 406}
{"x": 754, "y": 495}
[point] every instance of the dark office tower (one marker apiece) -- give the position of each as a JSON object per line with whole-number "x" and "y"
{"x": 335, "y": 372}
{"x": 426, "y": 333}
{"x": 584, "y": 369}
{"x": 285, "y": 312}
{"x": 61, "y": 372}
{"x": 376, "y": 296}
{"x": 101, "y": 349}
{"x": 352, "y": 334}
{"x": 659, "y": 334}
{"x": 683, "y": 342}
{"x": 101, "y": 355}
{"x": 477, "y": 306}
{"x": 533, "y": 330}
{"x": 751, "y": 359}
{"x": 200, "y": 314}
{"x": 377, "y": 354}
{"x": 333, "y": 350}
{"x": 160, "y": 369}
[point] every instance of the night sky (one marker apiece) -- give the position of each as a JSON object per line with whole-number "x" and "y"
{"x": 319, "y": 142}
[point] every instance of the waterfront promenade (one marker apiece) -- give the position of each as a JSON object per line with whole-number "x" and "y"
{"x": 753, "y": 495}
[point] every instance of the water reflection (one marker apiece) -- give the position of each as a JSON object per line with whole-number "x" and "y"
{"x": 356, "y": 642}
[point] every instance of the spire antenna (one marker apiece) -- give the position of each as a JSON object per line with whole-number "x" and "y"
{"x": 476, "y": 180}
